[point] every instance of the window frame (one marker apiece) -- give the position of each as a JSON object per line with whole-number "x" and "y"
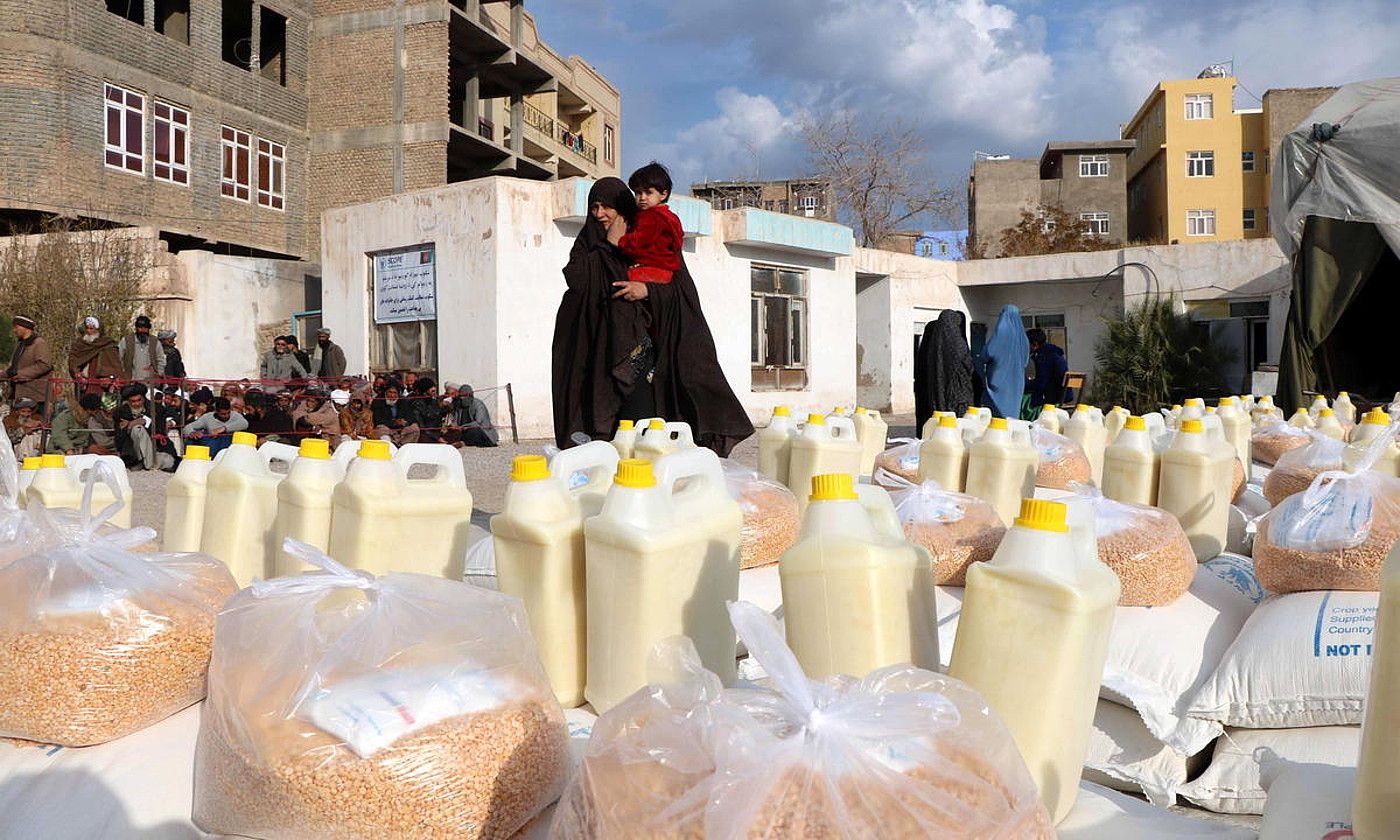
{"x": 1093, "y": 166}
{"x": 229, "y": 185}
{"x": 274, "y": 195}
{"x": 1200, "y": 217}
{"x": 1094, "y": 218}
{"x": 808, "y": 202}
{"x": 1206, "y": 160}
{"x": 178, "y": 143}
{"x": 1194, "y": 101}
{"x": 1250, "y": 219}
{"x": 1247, "y": 161}
{"x": 609, "y": 143}
{"x": 796, "y": 319}
{"x": 124, "y": 110}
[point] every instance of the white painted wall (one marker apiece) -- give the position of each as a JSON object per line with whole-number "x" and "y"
{"x": 230, "y": 297}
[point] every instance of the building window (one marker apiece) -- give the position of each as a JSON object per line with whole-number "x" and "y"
{"x": 170, "y": 157}
{"x": 1095, "y": 224}
{"x": 728, "y": 202}
{"x": 1200, "y": 222}
{"x": 1093, "y": 166}
{"x": 272, "y": 46}
{"x": 1247, "y": 161}
{"x": 236, "y": 177}
{"x": 943, "y": 248}
{"x": 778, "y": 324}
{"x": 1249, "y": 219}
{"x": 1054, "y": 326}
{"x": 808, "y": 204}
{"x": 609, "y": 143}
{"x": 1200, "y": 164}
{"x": 126, "y": 122}
{"x": 272, "y": 171}
{"x": 173, "y": 19}
{"x": 1199, "y": 106}
{"x": 132, "y": 10}
{"x": 237, "y": 33}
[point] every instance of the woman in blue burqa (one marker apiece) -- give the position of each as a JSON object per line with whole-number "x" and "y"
{"x": 944, "y": 379}
{"x": 1005, "y": 357}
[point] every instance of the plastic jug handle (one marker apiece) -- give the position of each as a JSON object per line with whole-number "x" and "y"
{"x": 700, "y": 464}
{"x": 845, "y": 425}
{"x": 448, "y": 460}
{"x": 681, "y": 433}
{"x": 274, "y": 451}
{"x": 598, "y": 459}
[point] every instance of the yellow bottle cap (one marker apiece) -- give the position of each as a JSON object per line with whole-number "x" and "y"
{"x": 816, "y": 419}
{"x": 1049, "y": 407}
{"x": 245, "y": 439}
{"x": 375, "y": 450}
{"x": 314, "y": 449}
{"x": 529, "y": 468}
{"x": 1081, "y": 407}
{"x": 1118, "y": 408}
{"x": 1327, "y": 412}
{"x": 1196, "y": 401}
{"x": 1043, "y": 515}
{"x": 1227, "y": 400}
{"x": 195, "y": 452}
{"x": 826, "y": 488}
{"x": 47, "y": 461}
{"x": 1374, "y": 417}
{"x": 998, "y": 423}
{"x": 1341, "y": 394}
{"x": 947, "y": 422}
{"x": 657, "y": 424}
{"x": 782, "y": 411}
{"x": 971, "y": 412}
{"x": 861, "y": 409}
{"x": 1210, "y": 409}
{"x": 1191, "y": 425}
{"x": 32, "y": 462}
{"x": 1135, "y": 423}
{"x": 1176, "y": 406}
{"x": 625, "y": 425}
{"x": 635, "y": 472}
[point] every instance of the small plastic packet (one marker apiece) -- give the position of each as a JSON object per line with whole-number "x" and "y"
{"x": 347, "y": 706}
{"x": 98, "y": 641}
{"x": 1335, "y": 534}
{"x": 1275, "y": 437}
{"x": 956, "y": 529}
{"x": 1296, "y": 469}
{"x": 771, "y": 517}
{"x": 897, "y": 466}
{"x": 1062, "y": 461}
{"x": 1145, "y": 546}
{"x": 901, "y": 752}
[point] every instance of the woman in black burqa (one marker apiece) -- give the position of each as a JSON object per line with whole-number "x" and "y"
{"x": 944, "y": 378}
{"x": 616, "y": 359}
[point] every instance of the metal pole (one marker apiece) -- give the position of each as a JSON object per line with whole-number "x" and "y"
{"x": 510, "y": 402}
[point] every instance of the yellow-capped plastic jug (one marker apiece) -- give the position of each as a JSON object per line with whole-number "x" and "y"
{"x": 1132, "y": 465}
{"x": 1301, "y": 419}
{"x": 1375, "y": 808}
{"x": 1328, "y": 424}
{"x": 1088, "y": 430}
{"x": 28, "y": 469}
{"x": 1236, "y": 425}
{"x": 1114, "y": 421}
{"x": 873, "y": 433}
{"x": 185, "y": 497}
{"x": 240, "y": 508}
{"x": 53, "y": 490}
{"x": 540, "y": 553}
{"x": 1196, "y": 485}
{"x": 943, "y": 456}
{"x": 1318, "y": 404}
{"x": 663, "y": 438}
{"x": 1344, "y": 408}
{"x": 856, "y": 595}
{"x": 304, "y": 504}
{"x": 824, "y": 445}
{"x": 775, "y": 445}
{"x": 1053, "y": 418}
{"x": 662, "y": 560}
{"x": 1001, "y": 469}
{"x": 1032, "y": 640}
{"x": 625, "y": 438}
{"x": 384, "y": 521}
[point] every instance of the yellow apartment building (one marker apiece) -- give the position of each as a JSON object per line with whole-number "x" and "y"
{"x": 1198, "y": 172}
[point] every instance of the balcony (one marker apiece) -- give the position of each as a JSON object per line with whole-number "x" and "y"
{"x": 546, "y": 135}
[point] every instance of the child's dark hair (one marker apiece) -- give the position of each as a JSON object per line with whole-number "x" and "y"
{"x": 652, "y": 175}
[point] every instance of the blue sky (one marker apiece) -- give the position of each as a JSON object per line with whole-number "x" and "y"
{"x": 716, "y": 88}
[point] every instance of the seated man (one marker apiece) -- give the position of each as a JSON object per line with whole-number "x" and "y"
{"x": 394, "y": 418}
{"x": 24, "y": 426}
{"x": 135, "y": 429}
{"x": 215, "y": 429}
{"x": 316, "y": 417}
{"x": 471, "y": 421}
{"x": 429, "y": 410}
{"x": 356, "y": 418}
{"x": 72, "y": 431}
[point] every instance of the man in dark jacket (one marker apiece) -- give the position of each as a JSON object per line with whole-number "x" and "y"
{"x": 31, "y": 364}
{"x": 471, "y": 421}
{"x": 1048, "y": 386}
{"x": 143, "y": 357}
{"x": 327, "y": 358}
{"x": 136, "y": 430}
{"x": 395, "y": 419}
{"x": 174, "y": 362}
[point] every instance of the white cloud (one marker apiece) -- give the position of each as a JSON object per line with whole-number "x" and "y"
{"x": 751, "y": 136}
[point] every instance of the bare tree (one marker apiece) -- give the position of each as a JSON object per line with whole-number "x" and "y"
{"x": 65, "y": 271}
{"x": 879, "y": 172}
{"x": 1049, "y": 230}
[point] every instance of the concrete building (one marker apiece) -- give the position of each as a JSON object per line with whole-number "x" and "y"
{"x": 1086, "y": 179}
{"x": 811, "y": 198}
{"x": 1284, "y": 110}
{"x": 933, "y": 244}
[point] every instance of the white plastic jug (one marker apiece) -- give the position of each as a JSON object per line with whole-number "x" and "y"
{"x": 1264, "y": 410}
{"x": 1236, "y": 425}
{"x": 184, "y": 501}
{"x": 663, "y": 438}
{"x": 625, "y": 438}
{"x": 1301, "y": 419}
{"x": 1194, "y": 409}
{"x": 662, "y": 559}
{"x": 873, "y": 433}
{"x": 1032, "y": 640}
{"x": 1374, "y": 423}
{"x": 28, "y": 469}
{"x": 51, "y": 490}
{"x": 347, "y": 450}
{"x": 1132, "y": 466}
{"x": 856, "y": 595}
{"x": 1344, "y": 408}
{"x": 775, "y": 445}
{"x": 1375, "y": 809}
{"x": 1053, "y": 418}
{"x": 1156, "y": 424}
{"x": 540, "y": 554}
{"x": 240, "y": 508}
{"x": 825, "y": 445}
{"x": 1114, "y": 420}
{"x": 383, "y": 521}
{"x": 943, "y": 456}
{"x": 1089, "y": 431}
{"x": 1001, "y": 469}
{"x": 932, "y": 423}
{"x": 1318, "y": 404}
{"x": 1196, "y": 481}
{"x": 304, "y": 504}
{"x": 1328, "y": 424}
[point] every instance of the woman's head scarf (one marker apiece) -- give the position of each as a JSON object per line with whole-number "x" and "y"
{"x": 1006, "y": 354}
{"x": 943, "y": 375}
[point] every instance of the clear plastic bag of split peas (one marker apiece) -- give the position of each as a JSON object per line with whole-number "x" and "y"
{"x": 956, "y": 529}
{"x": 1145, "y": 546}
{"x": 347, "y": 706}
{"x": 771, "y": 518}
{"x": 901, "y": 752}
{"x": 98, "y": 640}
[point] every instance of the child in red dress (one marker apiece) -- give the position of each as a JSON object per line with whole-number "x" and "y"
{"x": 653, "y": 240}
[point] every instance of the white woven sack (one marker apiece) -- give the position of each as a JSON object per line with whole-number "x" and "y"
{"x": 1103, "y": 814}
{"x": 1124, "y": 756}
{"x": 1233, "y": 783}
{"x": 1306, "y": 801}
{"x": 1302, "y": 659}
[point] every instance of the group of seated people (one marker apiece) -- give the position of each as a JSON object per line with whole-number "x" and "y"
{"x": 149, "y": 427}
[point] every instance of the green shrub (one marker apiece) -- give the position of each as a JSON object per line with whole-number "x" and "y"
{"x": 1153, "y": 356}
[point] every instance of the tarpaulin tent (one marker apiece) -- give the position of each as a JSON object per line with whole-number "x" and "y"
{"x": 1334, "y": 208}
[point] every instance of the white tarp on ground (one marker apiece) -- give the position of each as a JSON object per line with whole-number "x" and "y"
{"x": 1354, "y": 176}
